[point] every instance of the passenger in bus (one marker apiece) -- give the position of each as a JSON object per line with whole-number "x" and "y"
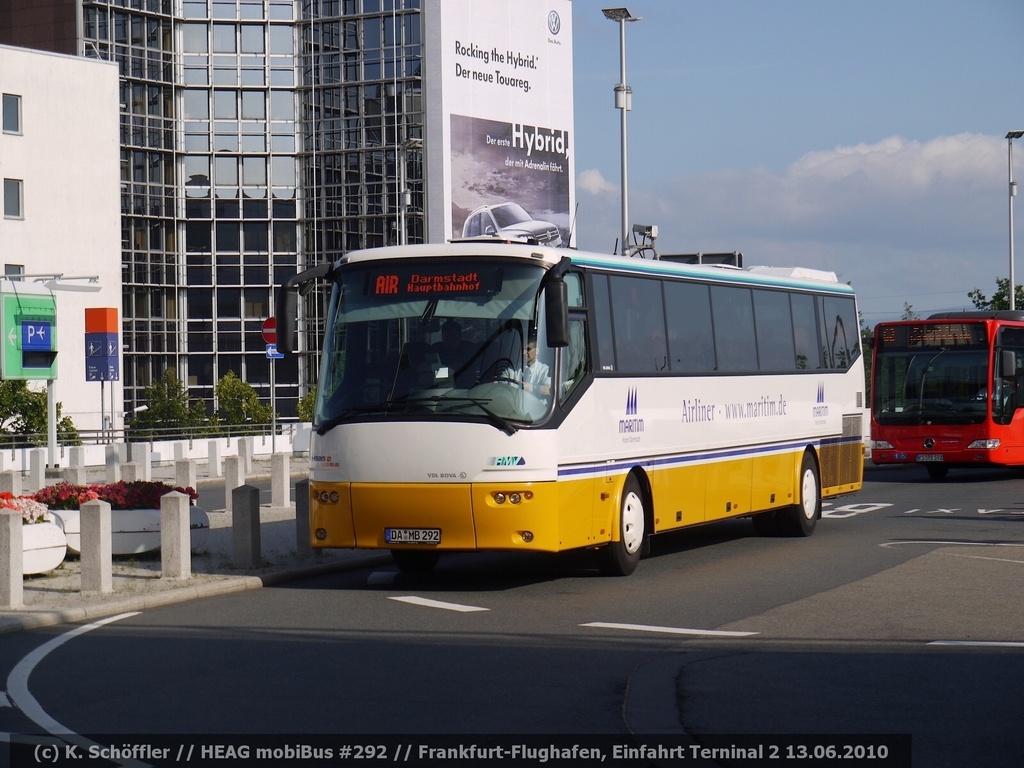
{"x": 455, "y": 353}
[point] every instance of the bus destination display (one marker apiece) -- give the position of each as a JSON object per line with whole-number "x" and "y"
{"x": 936, "y": 335}
{"x": 424, "y": 283}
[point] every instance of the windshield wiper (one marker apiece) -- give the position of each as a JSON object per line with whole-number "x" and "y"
{"x": 384, "y": 407}
{"x": 500, "y": 422}
{"x": 387, "y": 406}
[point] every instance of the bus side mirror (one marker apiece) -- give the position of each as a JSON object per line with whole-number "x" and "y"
{"x": 1009, "y": 361}
{"x": 286, "y": 313}
{"x": 557, "y": 315}
{"x": 286, "y": 305}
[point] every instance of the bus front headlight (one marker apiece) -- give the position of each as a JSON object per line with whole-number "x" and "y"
{"x": 988, "y": 444}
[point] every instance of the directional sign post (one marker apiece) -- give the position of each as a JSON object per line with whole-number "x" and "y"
{"x": 270, "y": 332}
{"x": 102, "y": 362}
{"x": 270, "y": 337}
{"x": 29, "y": 326}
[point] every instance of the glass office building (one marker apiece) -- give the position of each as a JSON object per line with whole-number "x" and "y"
{"x": 258, "y": 137}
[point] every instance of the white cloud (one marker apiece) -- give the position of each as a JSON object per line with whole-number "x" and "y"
{"x": 592, "y": 182}
{"x": 904, "y": 221}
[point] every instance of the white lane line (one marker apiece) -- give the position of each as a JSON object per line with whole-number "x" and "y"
{"x": 978, "y": 643}
{"x": 413, "y": 600}
{"x": 890, "y": 544}
{"x": 17, "y": 684}
{"x": 668, "y": 630}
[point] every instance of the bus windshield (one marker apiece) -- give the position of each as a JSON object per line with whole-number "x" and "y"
{"x": 436, "y": 340}
{"x": 931, "y": 386}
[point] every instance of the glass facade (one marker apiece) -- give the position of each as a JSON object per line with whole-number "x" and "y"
{"x": 258, "y": 138}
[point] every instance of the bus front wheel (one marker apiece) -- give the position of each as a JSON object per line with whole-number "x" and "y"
{"x": 415, "y": 560}
{"x": 620, "y": 558}
{"x": 799, "y": 519}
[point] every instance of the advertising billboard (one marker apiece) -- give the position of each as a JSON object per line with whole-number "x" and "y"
{"x": 499, "y": 119}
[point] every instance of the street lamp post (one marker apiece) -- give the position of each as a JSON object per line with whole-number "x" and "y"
{"x": 623, "y": 102}
{"x": 403, "y": 186}
{"x": 1013, "y": 193}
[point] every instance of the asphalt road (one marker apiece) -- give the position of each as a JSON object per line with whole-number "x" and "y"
{"x": 900, "y": 615}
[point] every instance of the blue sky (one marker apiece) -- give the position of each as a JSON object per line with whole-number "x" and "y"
{"x": 866, "y": 138}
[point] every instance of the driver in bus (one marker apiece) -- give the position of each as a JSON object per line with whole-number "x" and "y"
{"x": 535, "y": 377}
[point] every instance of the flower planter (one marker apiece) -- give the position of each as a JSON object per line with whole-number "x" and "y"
{"x": 132, "y": 531}
{"x": 44, "y": 546}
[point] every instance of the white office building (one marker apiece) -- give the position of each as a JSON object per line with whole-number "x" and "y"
{"x": 60, "y": 227}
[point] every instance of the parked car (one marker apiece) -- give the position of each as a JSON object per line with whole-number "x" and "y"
{"x": 510, "y": 220}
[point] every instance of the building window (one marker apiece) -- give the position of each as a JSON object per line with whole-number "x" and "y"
{"x": 11, "y": 113}
{"x": 13, "y": 207}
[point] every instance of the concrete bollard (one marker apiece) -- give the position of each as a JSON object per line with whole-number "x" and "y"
{"x": 97, "y": 547}
{"x": 76, "y": 456}
{"x": 112, "y": 461}
{"x": 185, "y": 473}
{"x": 303, "y": 544}
{"x": 247, "y": 550}
{"x": 213, "y": 468}
{"x": 12, "y": 556}
{"x": 280, "y": 480}
{"x": 245, "y": 453}
{"x": 131, "y": 472}
{"x": 175, "y": 536}
{"x": 141, "y": 454}
{"x": 234, "y": 477}
{"x": 37, "y": 468}
{"x": 74, "y": 475}
{"x": 10, "y": 481}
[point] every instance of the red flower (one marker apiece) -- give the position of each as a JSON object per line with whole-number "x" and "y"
{"x": 139, "y": 494}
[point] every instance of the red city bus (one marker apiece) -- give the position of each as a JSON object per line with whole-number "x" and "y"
{"x": 948, "y": 391}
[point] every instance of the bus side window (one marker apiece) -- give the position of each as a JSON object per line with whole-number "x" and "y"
{"x": 691, "y": 346}
{"x": 733, "y": 317}
{"x": 805, "y": 332}
{"x": 639, "y": 319}
{"x": 601, "y": 311}
{"x": 774, "y": 327}
{"x": 574, "y": 359}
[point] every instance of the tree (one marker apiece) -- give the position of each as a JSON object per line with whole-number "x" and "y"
{"x": 238, "y": 403}
{"x": 167, "y": 406}
{"x": 23, "y": 413}
{"x": 1000, "y": 299}
{"x": 305, "y": 406}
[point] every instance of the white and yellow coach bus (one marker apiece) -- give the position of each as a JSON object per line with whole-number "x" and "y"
{"x": 484, "y": 395}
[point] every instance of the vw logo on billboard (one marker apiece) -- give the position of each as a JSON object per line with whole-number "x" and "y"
{"x": 554, "y": 22}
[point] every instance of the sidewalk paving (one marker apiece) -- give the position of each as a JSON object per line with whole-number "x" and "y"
{"x": 56, "y": 597}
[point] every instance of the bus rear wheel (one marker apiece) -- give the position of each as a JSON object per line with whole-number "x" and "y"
{"x": 620, "y": 558}
{"x": 415, "y": 560}
{"x": 800, "y": 519}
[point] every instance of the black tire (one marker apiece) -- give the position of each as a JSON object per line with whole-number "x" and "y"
{"x": 800, "y": 519}
{"x": 415, "y": 560}
{"x": 620, "y": 558}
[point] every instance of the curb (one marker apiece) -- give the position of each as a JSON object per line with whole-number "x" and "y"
{"x": 211, "y": 586}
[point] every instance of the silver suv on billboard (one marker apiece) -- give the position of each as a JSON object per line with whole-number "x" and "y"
{"x": 510, "y": 220}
